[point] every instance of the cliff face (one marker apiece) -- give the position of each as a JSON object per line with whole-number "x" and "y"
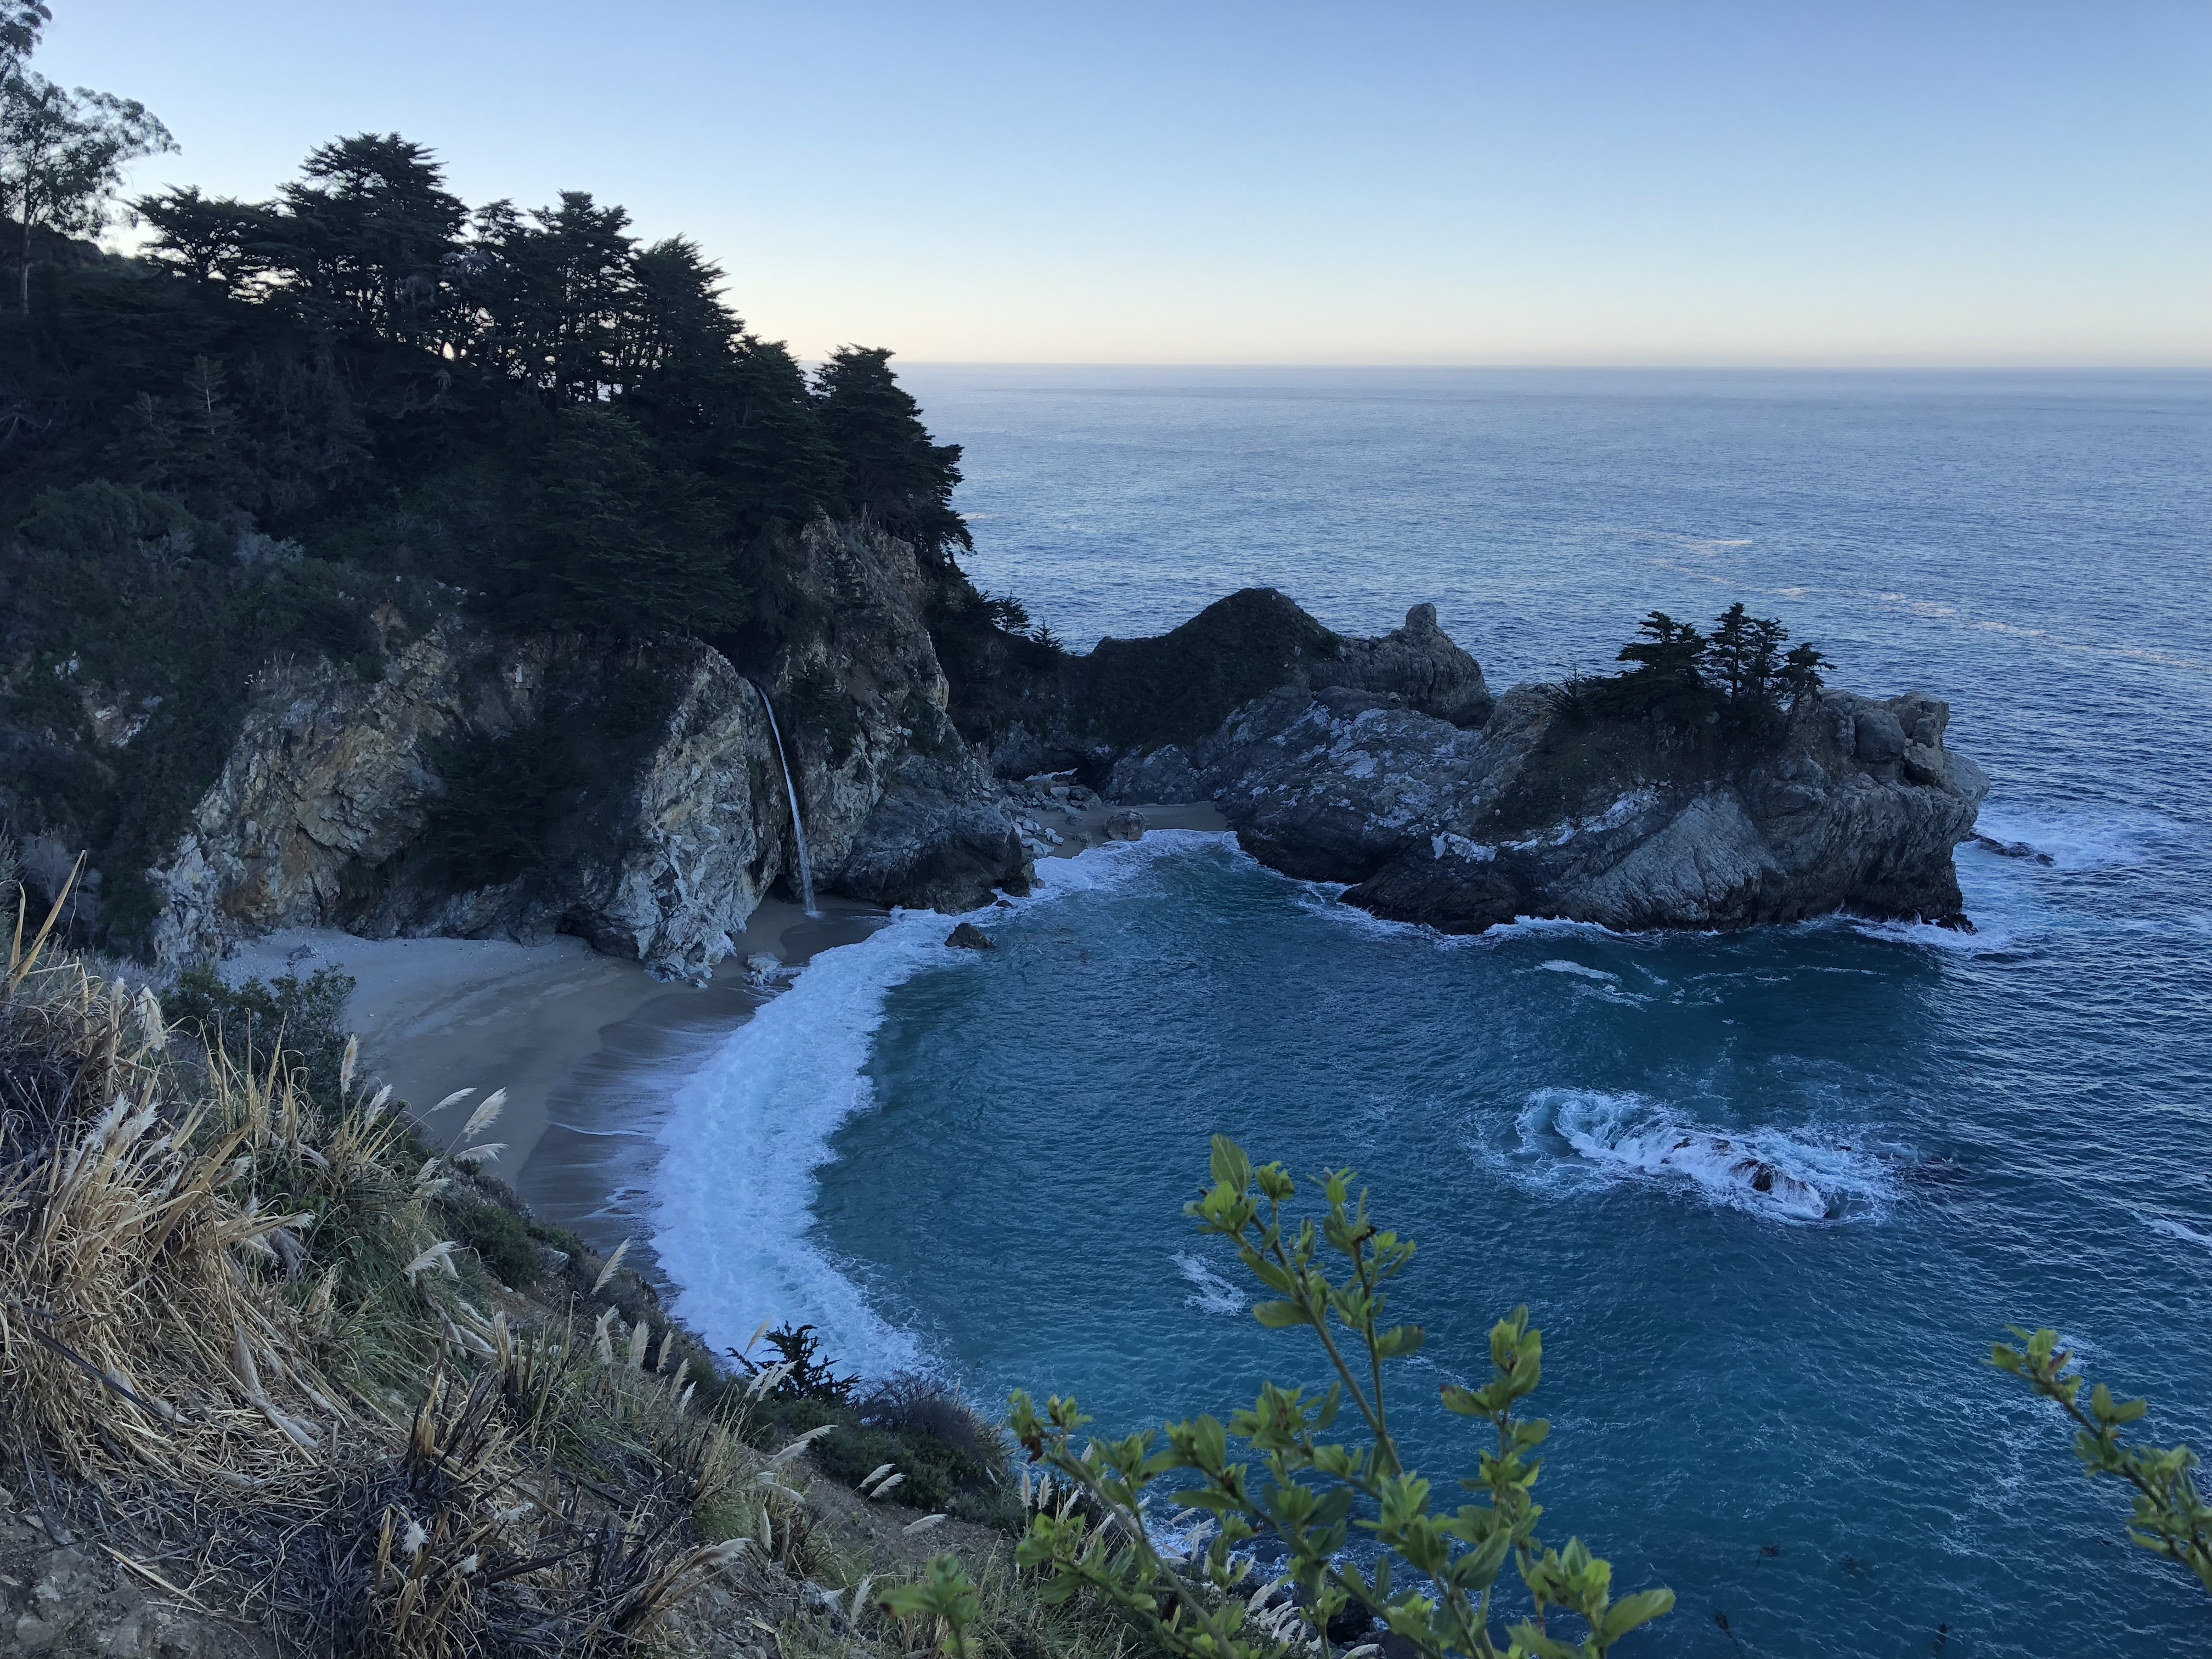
{"x": 518, "y": 786}
{"x": 668, "y": 819}
{"x": 321, "y": 809}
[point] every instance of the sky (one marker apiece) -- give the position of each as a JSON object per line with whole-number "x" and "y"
{"x": 1547, "y": 181}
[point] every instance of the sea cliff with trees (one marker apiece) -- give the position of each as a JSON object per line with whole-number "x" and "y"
{"x": 373, "y": 561}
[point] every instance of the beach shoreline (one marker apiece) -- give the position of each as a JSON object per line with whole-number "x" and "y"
{"x": 588, "y": 1047}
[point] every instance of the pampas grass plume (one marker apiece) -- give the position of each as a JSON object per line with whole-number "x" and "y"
{"x": 484, "y": 1116}
{"x": 608, "y": 1272}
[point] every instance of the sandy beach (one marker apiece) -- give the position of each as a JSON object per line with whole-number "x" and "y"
{"x": 587, "y": 1046}
{"x": 437, "y": 1015}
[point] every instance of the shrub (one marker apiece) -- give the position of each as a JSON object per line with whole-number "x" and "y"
{"x": 910, "y": 1403}
{"x": 253, "y": 1017}
{"x": 2171, "y": 1517}
{"x": 1310, "y": 1491}
{"x": 501, "y": 1239}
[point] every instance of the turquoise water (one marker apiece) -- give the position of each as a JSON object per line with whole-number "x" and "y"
{"x": 987, "y": 1154}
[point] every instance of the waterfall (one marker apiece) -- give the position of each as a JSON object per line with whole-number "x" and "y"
{"x": 791, "y": 789}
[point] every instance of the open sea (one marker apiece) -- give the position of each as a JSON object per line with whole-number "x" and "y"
{"x": 1780, "y": 1406}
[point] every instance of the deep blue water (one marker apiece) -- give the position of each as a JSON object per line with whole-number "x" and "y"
{"x": 2014, "y": 1126}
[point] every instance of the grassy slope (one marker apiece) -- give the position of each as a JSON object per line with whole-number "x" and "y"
{"x": 325, "y": 1374}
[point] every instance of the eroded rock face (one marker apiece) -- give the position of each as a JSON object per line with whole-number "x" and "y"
{"x": 1532, "y": 816}
{"x": 666, "y": 847}
{"x": 332, "y": 781}
{"x": 898, "y": 810}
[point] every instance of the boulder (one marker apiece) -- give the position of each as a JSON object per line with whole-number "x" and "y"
{"x": 1125, "y": 825}
{"x": 969, "y": 937}
{"x": 1879, "y": 736}
{"x": 1165, "y": 775}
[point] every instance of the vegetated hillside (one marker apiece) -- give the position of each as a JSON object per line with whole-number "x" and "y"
{"x": 313, "y": 428}
{"x": 280, "y": 1379}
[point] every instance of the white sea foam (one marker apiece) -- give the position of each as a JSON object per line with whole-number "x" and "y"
{"x": 1587, "y": 1137}
{"x": 1561, "y": 965}
{"x": 1213, "y": 1293}
{"x": 746, "y": 1133}
{"x": 2173, "y": 1228}
{"x": 2082, "y": 840}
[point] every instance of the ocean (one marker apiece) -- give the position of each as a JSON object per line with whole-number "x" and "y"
{"x": 1777, "y": 1403}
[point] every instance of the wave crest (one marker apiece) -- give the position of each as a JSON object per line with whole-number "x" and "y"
{"x": 1772, "y": 1173}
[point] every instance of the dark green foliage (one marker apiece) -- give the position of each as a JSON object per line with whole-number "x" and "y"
{"x": 1801, "y": 673}
{"x": 505, "y": 792}
{"x": 812, "y": 1375}
{"x": 816, "y": 705}
{"x": 1737, "y": 675}
{"x": 609, "y": 539}
{"x": 99, "y": 520}
{"x": 514, "y": 400}
{"x": 892, "y": 471}
{"x": 1178, "y": 687}
{"x": 253, "y": 1017}
{"x": 991, "y": 656}
{"x": 502, "y": 1239}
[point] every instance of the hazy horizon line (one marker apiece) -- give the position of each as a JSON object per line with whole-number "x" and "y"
{"x": 1708, "y": 365}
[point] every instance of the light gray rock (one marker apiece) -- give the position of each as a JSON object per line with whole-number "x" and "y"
{"x": 1533, "y": 816}
{"x": 319, "y": 810}
{"x": 1126, "y": 825}
{"x": 1163, "y": 776}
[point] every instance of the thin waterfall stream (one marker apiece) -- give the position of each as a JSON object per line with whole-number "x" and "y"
{"x": 791, "y": 791}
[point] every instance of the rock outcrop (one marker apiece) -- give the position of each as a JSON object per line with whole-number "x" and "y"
{"x": 665, "y": 840}
{"x": 1387, "y": 765}
{"x": 1148, "y": 697}
{"x": 1848, "y": 805}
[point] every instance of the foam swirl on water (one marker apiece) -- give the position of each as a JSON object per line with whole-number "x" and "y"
{"x": 1765, "y": 1172}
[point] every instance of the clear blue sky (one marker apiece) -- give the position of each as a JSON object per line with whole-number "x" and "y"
{"x": 1544, "y": 181}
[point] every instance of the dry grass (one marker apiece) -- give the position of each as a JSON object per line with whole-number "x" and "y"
{"x": 212, "y": 1290}
{"x": 238, "y": 1338}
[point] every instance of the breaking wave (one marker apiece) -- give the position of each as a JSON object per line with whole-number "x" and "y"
{"x": 743, "y": 1137}
{"x": 1588, "y": 1137}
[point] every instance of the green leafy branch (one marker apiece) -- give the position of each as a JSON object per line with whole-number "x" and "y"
{"x": 2171, "y": 1517}
{"x": 1434, "y": 1579}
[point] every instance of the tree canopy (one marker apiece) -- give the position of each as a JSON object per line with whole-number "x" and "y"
{"x": 572, "y": 425}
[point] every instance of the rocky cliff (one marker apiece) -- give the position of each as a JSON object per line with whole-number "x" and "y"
{"x": 482, "y": 784}
{"x": 1532, "y": 806}
{"x": 656, "y": 817}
